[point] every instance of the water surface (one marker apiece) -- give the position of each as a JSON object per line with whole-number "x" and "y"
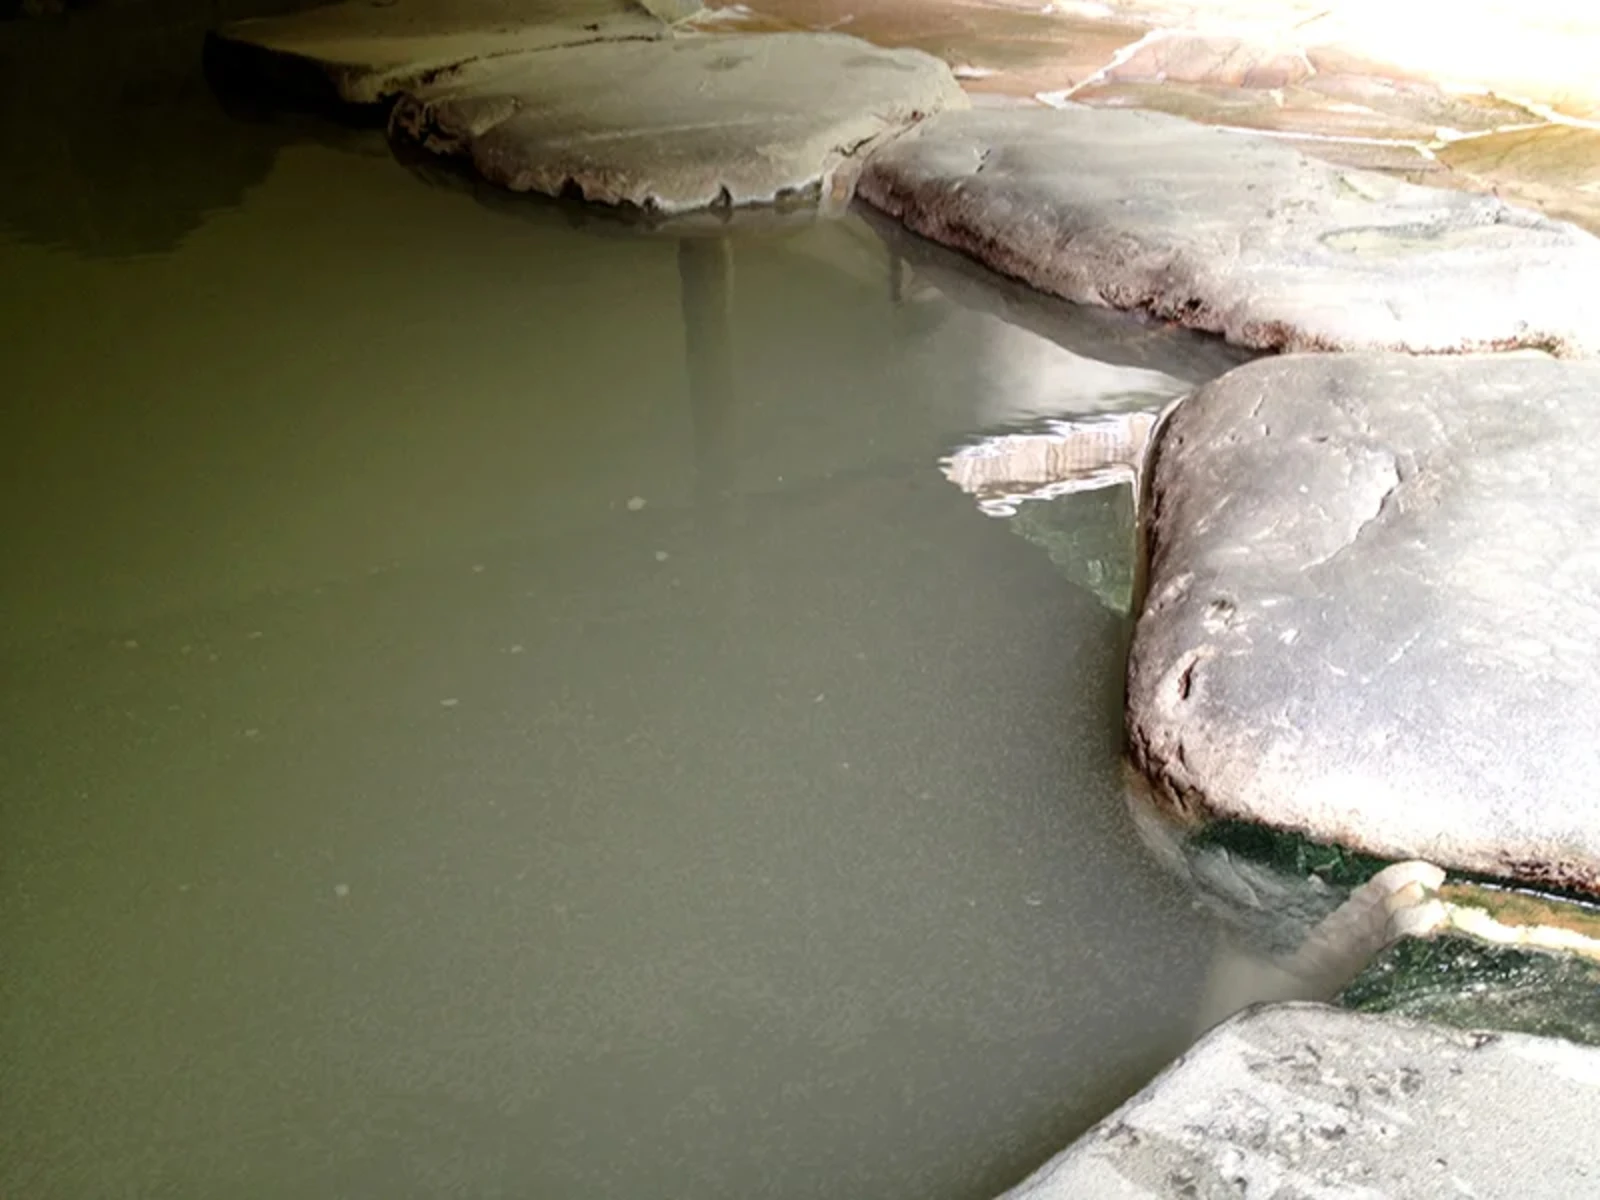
{"x": 463, "y": 737}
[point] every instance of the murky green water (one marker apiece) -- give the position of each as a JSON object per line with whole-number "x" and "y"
{"x": 446, "y": 753}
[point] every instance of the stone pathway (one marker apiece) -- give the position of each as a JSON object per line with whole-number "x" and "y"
{"x": 1357, "y": 85}
{"x": 1239, "y": 236}
{"x": 529, "y": 95}
{"x": 730, "y": 121}
{"x": 1306, "y": 1100}
{"x": 1360, "y": 688}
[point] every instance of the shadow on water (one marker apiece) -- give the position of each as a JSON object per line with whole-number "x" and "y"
{"x": 114, "y": 142}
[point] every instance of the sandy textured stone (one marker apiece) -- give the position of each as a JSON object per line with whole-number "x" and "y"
{"x": 1301, "y": 1100}
{"x": 730, "y": 120}
{"x": 1423, "y": 103}
{"x": 1286, "y": 110}
{"x": 1195, "y": 58}
{"x": 995, "y": 49}
{"x": 1538, "y": 49}
{"x": 358, "y": 52}
{"x": 1373, "y": 609}
{"x": 1238, "y": 235}
{"x": 1403, "y": 160}
{"x": 1555, "y": 168}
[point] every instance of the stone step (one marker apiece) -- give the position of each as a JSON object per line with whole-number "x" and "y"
{"x": 1308, "y": 1100}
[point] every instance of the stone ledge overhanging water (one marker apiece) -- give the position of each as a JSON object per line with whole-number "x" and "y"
{"x": 1371, "y": 611}
{"x": 1238, "y": 235}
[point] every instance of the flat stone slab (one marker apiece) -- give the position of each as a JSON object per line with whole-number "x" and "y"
{"x": 1373, "y": 609}
{"x": 1238, "y": 234}
{"x": 363, "y": 52}
{"x": 730, "y": 120}
{"x": 1293, "y": 110}
{"x": 1301, "y": 1100}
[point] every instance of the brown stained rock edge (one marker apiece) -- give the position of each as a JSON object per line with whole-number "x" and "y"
{"x": 457, "y": 126}
{"x": 412, "y": 121}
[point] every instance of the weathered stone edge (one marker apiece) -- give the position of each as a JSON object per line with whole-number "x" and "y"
{"x": 946, "y": 223}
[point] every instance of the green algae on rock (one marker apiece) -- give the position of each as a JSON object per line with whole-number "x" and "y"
{"x": 1460, "y": 981}
{"x": 1292, "y": 854}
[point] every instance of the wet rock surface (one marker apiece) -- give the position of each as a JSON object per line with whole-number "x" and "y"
{"x": 1301, "y": 1099}
{"x": 731, "y": 120}
{"x": 1237, "y": 235}
{"x": 360, "y": 53}
{"x": 1371, "y": 611}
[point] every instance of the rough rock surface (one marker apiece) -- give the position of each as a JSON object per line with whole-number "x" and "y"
{"x": 1373, "y": 609}
{"x": 1556, "y": 167}
{"x": 360, "y": 52}
{"x": 1303, "y": 1100}
{"x": 703, "y": 120}
{"x": 1238, "y": 235}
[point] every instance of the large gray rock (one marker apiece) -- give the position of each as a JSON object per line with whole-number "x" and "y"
{"x": 682, "y": 124}
{"x": 1238, "y": 235}
{"x": 1373, "y": 609}
{"x": 363, "y": 52}
{"x": 1300, "y": 1100}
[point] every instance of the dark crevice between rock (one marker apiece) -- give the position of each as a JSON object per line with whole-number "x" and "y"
{"x": 1291, "y": 853}
{"x": 252, "y": 81}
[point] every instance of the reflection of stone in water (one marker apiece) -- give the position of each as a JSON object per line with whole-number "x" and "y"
{"x": 114, "y": 145}
{"x": 705, "y": 275}
{"x": 1089, "y": 538}
{"x": 1062, "y": 457}
{"x": 1030, "y": 479}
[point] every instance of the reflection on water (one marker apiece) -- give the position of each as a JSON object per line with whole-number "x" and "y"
{"x": 465, "y": 736}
